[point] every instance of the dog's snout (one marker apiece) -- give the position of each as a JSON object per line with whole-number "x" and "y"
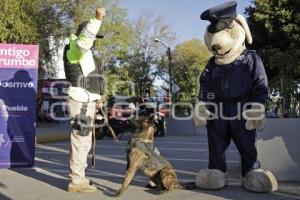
{"x": 216, "y": 47}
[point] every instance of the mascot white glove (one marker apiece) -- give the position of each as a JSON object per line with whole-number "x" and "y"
{"x": 201, "y": 114}
{"x": 255, "y": 116}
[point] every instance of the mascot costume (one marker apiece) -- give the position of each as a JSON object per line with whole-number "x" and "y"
{"x": 233, "y": 91}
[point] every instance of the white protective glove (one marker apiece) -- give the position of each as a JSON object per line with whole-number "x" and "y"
{"x": 201, "y": 114}
{"x": 255, "y": 116}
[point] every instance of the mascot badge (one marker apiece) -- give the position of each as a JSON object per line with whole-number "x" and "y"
{"x": 233, "y": 91}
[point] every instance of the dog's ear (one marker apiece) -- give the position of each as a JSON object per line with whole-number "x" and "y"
{"x": 242, "y": 21}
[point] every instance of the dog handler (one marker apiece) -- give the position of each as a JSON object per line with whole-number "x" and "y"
{"x": 83, "y": 72}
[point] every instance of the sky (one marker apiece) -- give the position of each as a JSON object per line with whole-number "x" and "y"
{"x": 183, "y": 15}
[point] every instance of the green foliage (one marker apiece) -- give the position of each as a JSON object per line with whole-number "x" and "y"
{"x": 276, "y": 31}
{"x": 18, "y": 21}
{"x": 117, "y": 36}
{"x": 32, "y": 22}
{"x": 190, "y": 58}
{"x": 49, "y": 22}
{"x": 117, "y": 31}
{"x": 119, "y": 82}
{"x": 144, "y": 54}
{"x": 275, "y": 22}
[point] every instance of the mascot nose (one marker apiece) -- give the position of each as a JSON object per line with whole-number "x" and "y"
{"x": 216, "y": 47}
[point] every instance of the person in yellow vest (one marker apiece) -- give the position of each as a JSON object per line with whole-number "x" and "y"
{"x": 84, "y": 73}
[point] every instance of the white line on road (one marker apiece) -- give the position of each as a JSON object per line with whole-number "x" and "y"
{"x": 91, "y": 172}
{"x": 160, "y": 148}
{"x": 169, "y": 149}
{"x": 123, "y": 156}
{"x": 183, "y": 143}
{"x": 156, "y": 142}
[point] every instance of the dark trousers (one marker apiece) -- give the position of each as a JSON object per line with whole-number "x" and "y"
{"x": 220, "y": 132}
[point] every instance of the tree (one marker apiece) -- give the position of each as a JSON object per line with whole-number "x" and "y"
{"x": 119, "y": 82}
{"x": 18, "y": 21}
{"x": 190, "y": 58}
{"x": 117, "y": 34}
{"x": 144, "y": 54}
{"x": 116, "y": 29}
{"x": 49, "y": 22}
{"x": 276, "y": 31}
{"x": 33, "y": 22}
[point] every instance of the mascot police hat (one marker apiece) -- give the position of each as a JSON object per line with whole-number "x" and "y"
{"x": 220, "y": 16}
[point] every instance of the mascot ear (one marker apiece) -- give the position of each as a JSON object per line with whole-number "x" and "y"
{"x": 242, "y": 21}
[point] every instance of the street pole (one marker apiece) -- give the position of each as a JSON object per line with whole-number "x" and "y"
{"x": 170, "y": 74}
{"x": 169, "y": 54}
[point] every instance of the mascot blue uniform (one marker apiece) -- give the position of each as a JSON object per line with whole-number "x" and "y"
{"x": 233, "y": 90}
{"x": 242, "y": 81}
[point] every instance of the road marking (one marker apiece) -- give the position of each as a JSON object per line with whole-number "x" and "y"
{"x": 182, "y": 143}
{"x": 97, "y": 156}
{"x": 287, "y": 195}
{"x": 160, "y": 148}
{"x": 49, "y": 161}
{"x": 156, "y": 142}
{"x": 123, "y": 156}
{"x": 176, "y": 159}
{"x": 91, "y": 172}
{"x": 169, "y": 149}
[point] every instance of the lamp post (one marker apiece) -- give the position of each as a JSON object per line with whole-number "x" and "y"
{"x": 169, "y": 54}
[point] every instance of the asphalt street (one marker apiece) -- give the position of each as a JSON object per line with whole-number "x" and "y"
{"x": 49, "y": 179}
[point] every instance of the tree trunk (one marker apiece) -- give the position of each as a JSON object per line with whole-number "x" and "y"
{"x": 282, "y": 88}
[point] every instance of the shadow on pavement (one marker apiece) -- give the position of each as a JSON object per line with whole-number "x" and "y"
{"x": 105, "y": 190}
{"x": 237, "y": 192}
{"x": 3, "y": 197}
{"x": 60, "y": 183}
{"x": 2, "y": 185}
{"x": 51, "y": 168}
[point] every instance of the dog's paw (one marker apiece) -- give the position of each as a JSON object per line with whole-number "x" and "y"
{"x": 117, "y": 194}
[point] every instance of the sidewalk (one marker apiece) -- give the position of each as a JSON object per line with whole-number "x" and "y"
{"x": 49, "y": 179}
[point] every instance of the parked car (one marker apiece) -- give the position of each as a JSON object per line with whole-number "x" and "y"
{"x": 118, "y": 117}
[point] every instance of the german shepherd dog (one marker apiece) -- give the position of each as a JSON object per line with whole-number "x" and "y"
{"x": 143, "y": 156}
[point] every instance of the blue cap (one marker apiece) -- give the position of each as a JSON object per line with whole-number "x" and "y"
{"x": 220, "y": 16}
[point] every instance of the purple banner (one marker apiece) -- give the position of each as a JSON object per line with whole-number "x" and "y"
{"x": 18, "y": 89}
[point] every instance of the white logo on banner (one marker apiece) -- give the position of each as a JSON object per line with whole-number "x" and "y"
{"x": 1, "y": 139}
{"x": 6, "y": 84}
{"x": 17, "y": 108}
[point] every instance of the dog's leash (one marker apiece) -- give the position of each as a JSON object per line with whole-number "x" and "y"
{"x": 94, "y": 139}
{"x": 115, "y": 138}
